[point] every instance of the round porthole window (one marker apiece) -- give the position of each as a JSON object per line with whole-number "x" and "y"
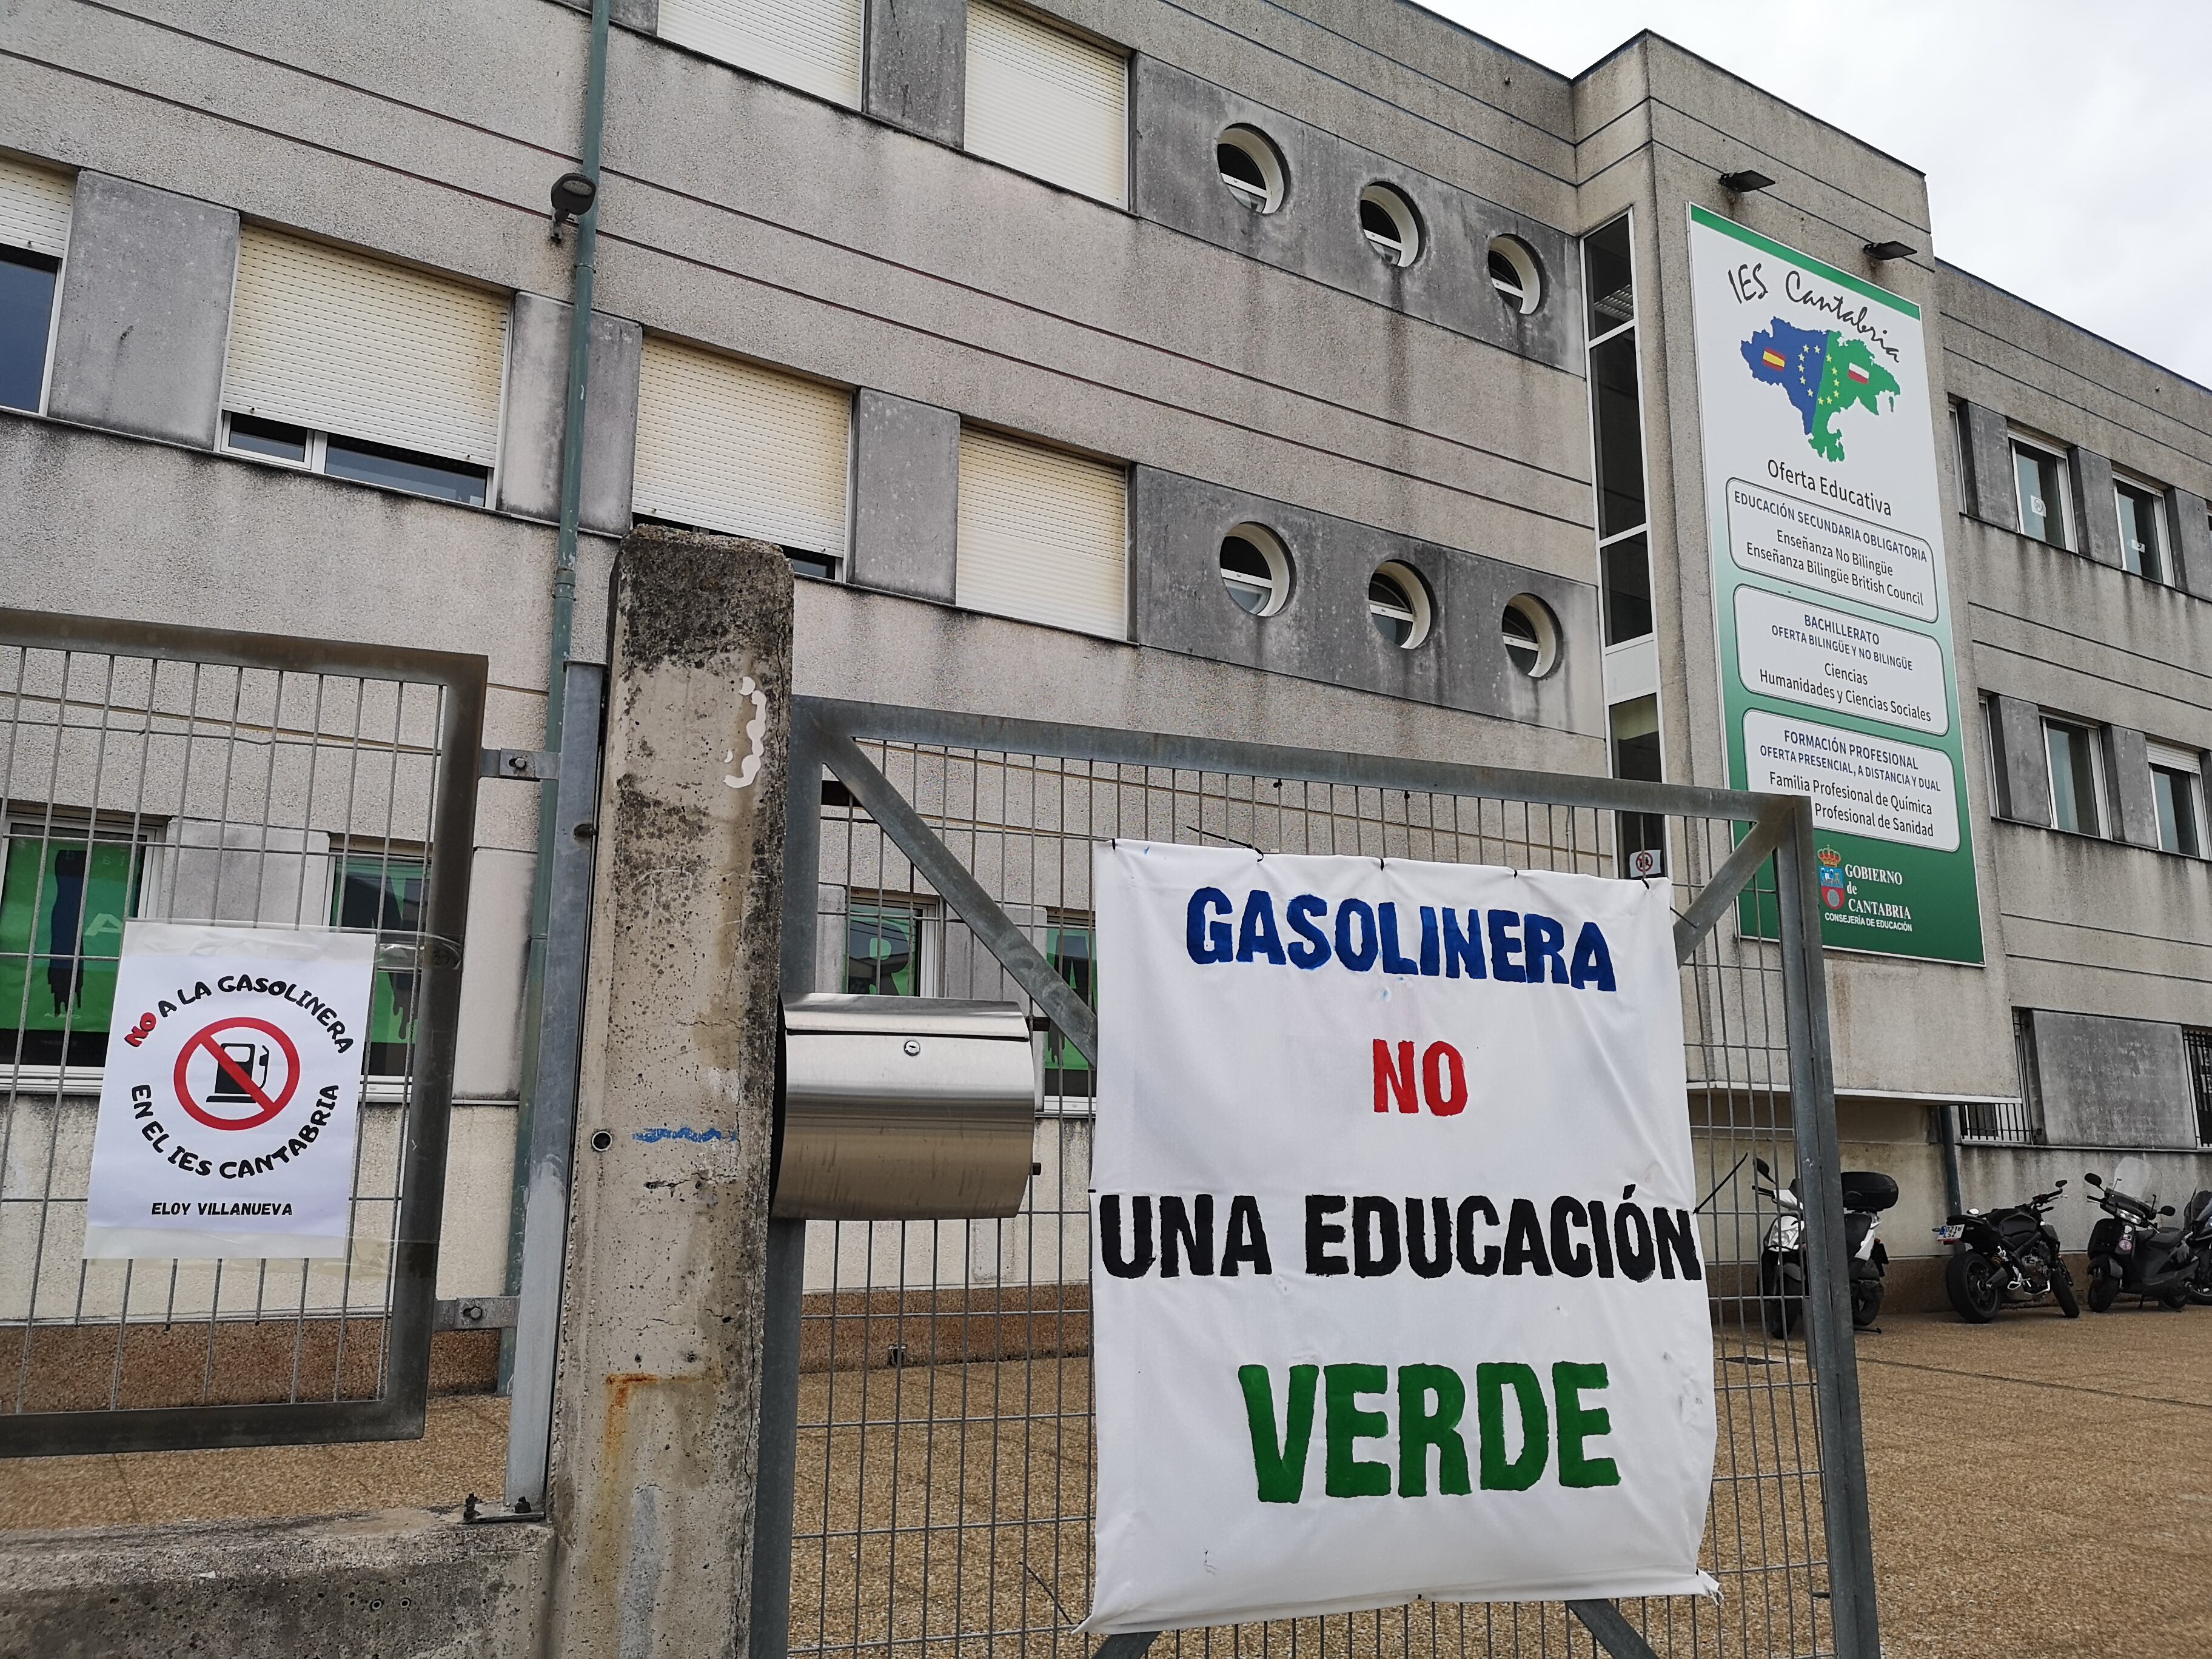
{"x": 1531, "y": 633}
{"x": 1387, "y": 221}
{"x": 1252, "y": 168}
{"x": 1515, "y": 275}
{"x": 1255, "y": 569}
{"x": 1398, "y": 604}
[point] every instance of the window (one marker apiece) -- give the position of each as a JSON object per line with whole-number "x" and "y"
{"x": 1042, "y": 535}
{"x": 2041, "y": 477}
{"x": 744, "y": 450}
{"x": 2075, "y": 785}
{"x": 1625, "y": 564}
{"x": 1398, "y": 604}
{"x": 1531, "y": 633}
{"x": 351, "y": 457}
{"x": 384, "y": 892}
{"x": 1252, "y": 168}
{"x": 358, "y": 369}
{"x": 1071, "y": 944}
{"x": 812, "y": 45}
{"x": 889, "y": 950}
{"x": 2199, "y": 1044}
{"x": 2176, "y": 787}
{"x": 1388, "y": 221}
{"x": 35, "y": 225}
{"x": 65, "y": 892}
{"x": 1609, "y": 280}
{"x": 2010, "y": 1122}
{"x": 1255, "y": 569}
{"x": 1515, "y": 273}
{"x": 1635, "y": 742}
{"x": 2142, "y": 533}
{"x": 1047, "y": 103}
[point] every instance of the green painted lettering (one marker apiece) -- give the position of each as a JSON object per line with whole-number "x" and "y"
{"x": 1280, "y": 1465}
{"x": 1579, "y": 1423}
{"x": 1490, "y": 1382}
{"x": 1420, "y": 1428}
{"x": 1349, "y": 1476}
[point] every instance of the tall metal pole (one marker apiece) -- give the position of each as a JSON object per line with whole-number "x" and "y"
{"x": 556, "y": 650}
{"x": 1827, "y": 1258}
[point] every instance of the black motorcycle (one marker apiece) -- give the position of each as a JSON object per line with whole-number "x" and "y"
{"x": 2132, "y": 1250}
{"x": 2197, "y": 1233}
{"x": 1867, "y": 1193}
{"x": 2011, "y": 1257}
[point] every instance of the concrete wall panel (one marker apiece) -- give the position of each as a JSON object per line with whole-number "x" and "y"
{"x": 917, "y": 66}
{"x": 533, "y": 416}
{"x": 1315, "y": 233}
{"x": 2113, "y": 1082}
{"x": 906, "y": 496}
{"x": 1324, "y": 633}
{"x": 144, "y": 313}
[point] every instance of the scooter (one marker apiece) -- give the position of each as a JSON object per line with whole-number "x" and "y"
{"x": 2131, "y": 1250}
{"x": 2197, "y": 1233}
{"x": 1867, "y": 1193}
{"x": 2011, "y": 1257}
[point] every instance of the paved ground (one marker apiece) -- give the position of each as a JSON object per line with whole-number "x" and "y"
{"x": 2042, "y": 1489}
{"x": 2042, "y": 1486}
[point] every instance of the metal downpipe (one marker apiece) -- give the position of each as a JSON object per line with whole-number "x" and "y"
{"x": 557, "y": 647}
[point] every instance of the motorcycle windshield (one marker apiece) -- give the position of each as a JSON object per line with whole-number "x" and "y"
{"x": 2131, "y": 1174}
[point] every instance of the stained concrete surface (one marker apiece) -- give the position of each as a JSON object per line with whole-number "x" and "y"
{"x": 2011, "y": 1466}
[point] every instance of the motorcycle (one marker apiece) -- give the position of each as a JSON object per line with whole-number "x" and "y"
{"x": 1867, "y": 1193}
{"x": 2197, "y": 1233}
{"x": 2131, "y": 1250}
{"x": 2011, "y": 1257}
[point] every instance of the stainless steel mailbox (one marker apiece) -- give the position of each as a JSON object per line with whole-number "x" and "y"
{"x": 903, "y": 1108}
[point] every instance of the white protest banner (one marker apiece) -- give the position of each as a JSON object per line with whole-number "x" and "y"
{"x": 1397, "y": 1291}
{"x": 231, "y": 1099}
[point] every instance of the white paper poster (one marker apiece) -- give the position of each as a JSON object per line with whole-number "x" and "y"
{"x": 1397, "y": 1290}
{"x": 230, "y": 1102}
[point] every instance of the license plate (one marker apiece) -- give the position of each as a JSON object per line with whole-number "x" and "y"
{"x": 1949, "y": 1235}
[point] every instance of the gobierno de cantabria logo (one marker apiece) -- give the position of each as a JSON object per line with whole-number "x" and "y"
{"x": 1823, "y": 374}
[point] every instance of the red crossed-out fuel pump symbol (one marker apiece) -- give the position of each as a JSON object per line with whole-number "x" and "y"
{"x": 237, "y": 1074}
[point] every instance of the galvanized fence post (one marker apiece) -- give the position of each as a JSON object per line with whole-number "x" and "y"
{"x": 770, "y": 1637}
{"x": 553, "y": 1119}
{"x": 1827, "y": 1296}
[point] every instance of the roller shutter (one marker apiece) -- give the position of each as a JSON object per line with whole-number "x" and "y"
{"x": 346, "y": 344}
{"x": 1043, "y": 535}
{"x": 1048, "y": 103}
{"x": 812, "y": 45}
{"x": 725, "y": 446}
{"x": 35, "y": 208}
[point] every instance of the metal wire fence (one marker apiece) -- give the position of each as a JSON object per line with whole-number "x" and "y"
{"x": 944, "y": 1454}
{"x": 165, "y": 774}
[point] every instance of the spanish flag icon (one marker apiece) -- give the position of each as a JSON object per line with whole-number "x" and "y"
{"x": 1773, "y": 359}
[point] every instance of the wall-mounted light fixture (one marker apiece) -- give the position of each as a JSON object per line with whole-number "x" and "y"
{"x": 1881, "y": 252}
{"x": 1746, "y": 181}
{"x": 573, "y": 196}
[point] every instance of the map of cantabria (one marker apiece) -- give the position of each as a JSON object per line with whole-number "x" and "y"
{"x": 1823, "y": 373}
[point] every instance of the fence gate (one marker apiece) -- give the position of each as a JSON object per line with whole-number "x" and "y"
{"x": 184, "y": 774}
{"x": 927, "y": 1434}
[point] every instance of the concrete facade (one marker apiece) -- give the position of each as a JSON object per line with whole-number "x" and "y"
{"x": 1242, "y": 366}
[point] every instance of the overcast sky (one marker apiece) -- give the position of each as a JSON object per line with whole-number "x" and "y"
{"x": 2065, "y": 143}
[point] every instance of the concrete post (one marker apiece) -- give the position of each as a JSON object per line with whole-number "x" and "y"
{"x": 656, "y": 1426}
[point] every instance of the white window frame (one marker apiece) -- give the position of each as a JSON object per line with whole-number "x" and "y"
{"x": 2190, "y": 765}
{"x": 317, "y": 448}
{"x": 2124, "y": 482}
{"x": 2095, "y": 734}
{"x": 2069, "y": 532}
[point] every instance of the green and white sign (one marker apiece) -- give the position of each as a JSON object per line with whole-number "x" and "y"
{"x": 1837, "y": 668}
